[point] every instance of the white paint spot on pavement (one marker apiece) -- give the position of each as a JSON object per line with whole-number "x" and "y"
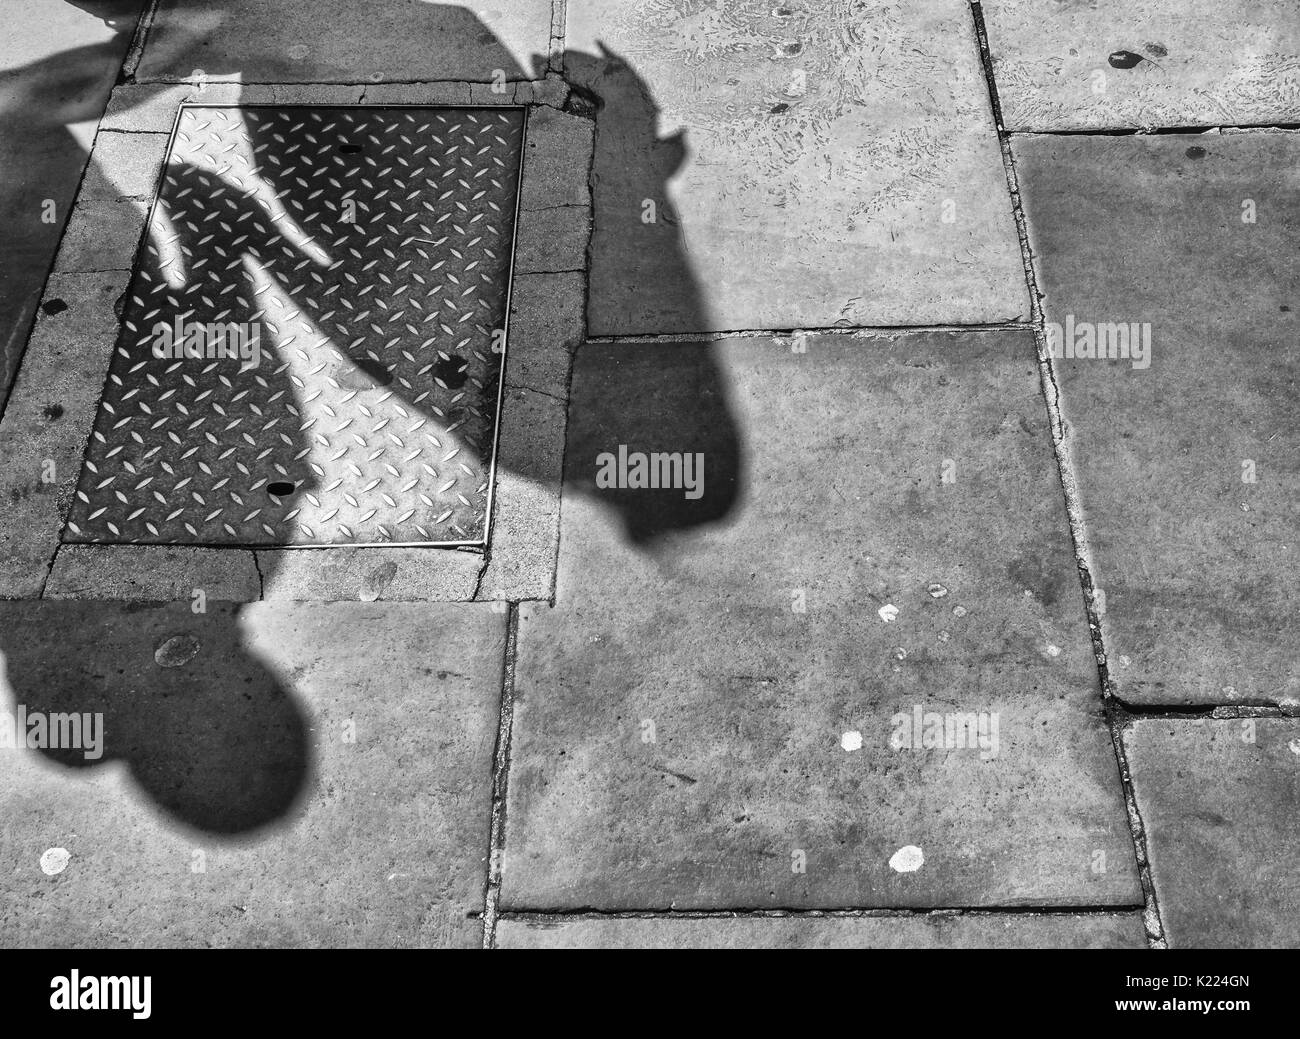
{"x": 1053, "y": 651}
{"x": 937, "y": 591}
{"x": 908, "y": 859}
{"x": 888, "y": 612}
{"x": 851, "y": 740}
{"x": 1295, "y": 746}
{"x": 55, "y": 861}
{"x": 959, "y": 611}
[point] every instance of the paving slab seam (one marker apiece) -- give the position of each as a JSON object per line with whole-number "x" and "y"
{"x": 847, "y": 912}
{"x": 335, "y": 83}
{"x": 500, "y": 781}
{"x": 559, "y": 30}
{"x": 1156, "y": 131}
{"x": 121, "y": 131}
{"x": 49, "y": 570}
{"x": 586, "y": 310}
{"x": 1078, "y": 533}
{"x": 139, "y": 38}
{"x": 1128, "y": 714}
{"x": 852, "y": 331}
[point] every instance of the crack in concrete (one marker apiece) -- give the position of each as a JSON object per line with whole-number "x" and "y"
{"x": 135, "y": 50}
{"x": 1074, "y": 512}
{"x": 500, "y": 781}
{"x": 852, "y": 331}
{"x": 845, "y": 913}
{"x": 1155, "y": 131}
{"x": 533, "y": 389}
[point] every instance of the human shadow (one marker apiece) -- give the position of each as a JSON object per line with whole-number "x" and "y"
{"x": 204, "y": 728}
{"x": 41, "y": 161}
{"x": 669, "y": 398}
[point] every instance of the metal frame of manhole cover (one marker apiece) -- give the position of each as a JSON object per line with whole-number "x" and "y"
{"x": 313, "y": 345}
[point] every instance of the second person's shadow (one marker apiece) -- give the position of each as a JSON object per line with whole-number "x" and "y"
{"x": 682, "y": 408}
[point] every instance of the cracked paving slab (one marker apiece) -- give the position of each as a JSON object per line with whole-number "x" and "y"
{"x": 1121, "y": 63}
{"x": 803, "y": 166}
{"x": 1186, "y": 456}
{"x": 718, "y": 711}
{"x": 243, "y": 754}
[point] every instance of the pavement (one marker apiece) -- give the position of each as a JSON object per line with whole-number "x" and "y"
{"x": 892, "y": 503}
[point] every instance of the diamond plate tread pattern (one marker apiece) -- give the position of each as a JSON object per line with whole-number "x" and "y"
{"x": 370, "y": 250}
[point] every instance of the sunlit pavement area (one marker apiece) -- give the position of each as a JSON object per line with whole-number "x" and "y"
{"x": 716, "y": 474}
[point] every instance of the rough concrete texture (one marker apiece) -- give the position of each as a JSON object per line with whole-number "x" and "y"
{"x": 1198, "y": 63}
{"x": 1191, "y": 555}
{"x": 839, "y": 166}
{"x": 282, "y": 776}
{"x": 704, "y": 720}
{"x": 370, "y": 574}
{"x": 546, "y": 326}
{"x": 931, "y": 931}
{"x": 102, "y": 235}
{"x": 557, "y": 160}
{"x": 1218, "y": 800}
{"x": 50, "y": 415}
{"x": 553, "y": 240}
{"x": 57, "y": 64}
{"x": 338, "y": 41}
{"x": 124, "y": 165}
{"x": 154, "y": 573}
{"x": 526, "y": 521}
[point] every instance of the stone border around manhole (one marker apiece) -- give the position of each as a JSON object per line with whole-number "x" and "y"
{"x": 57, "y": 391}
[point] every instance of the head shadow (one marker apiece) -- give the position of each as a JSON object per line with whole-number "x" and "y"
{"x": 205, "y": 730}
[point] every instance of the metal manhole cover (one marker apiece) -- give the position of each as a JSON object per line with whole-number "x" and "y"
{"x": 312, "y": 345}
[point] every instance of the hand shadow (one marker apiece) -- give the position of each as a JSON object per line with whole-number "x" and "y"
{"x": 225, "y": 749}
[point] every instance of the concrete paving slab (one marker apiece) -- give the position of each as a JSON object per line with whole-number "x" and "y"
{"x": 800, "y": 166}
{"x": 557, "y": 161}
{"x": 708, "y": 716}
{"x": 153, "y": 573}
{"x": 931, "y": 931}
{"x": 102, "y": 235}
{"x": 1187, "y": 458}
{"x": 333, "y": 41}
{"x": 125, "y": 165}
{"x": 57, "y": 65}
{"x": 526, "y": 526}
{"x": 553, "y": 240}
{"x": 1218, "y": 802}
{"x": 370, "y": 574}
{"x": 1116, "y": 63}
{"x": 280, "y": 776}
{"x": 546, "y": 325}
{"x": 50, "y": 415}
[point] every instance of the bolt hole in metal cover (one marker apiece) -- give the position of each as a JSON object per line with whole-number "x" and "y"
{"x": 312, "y": 346}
